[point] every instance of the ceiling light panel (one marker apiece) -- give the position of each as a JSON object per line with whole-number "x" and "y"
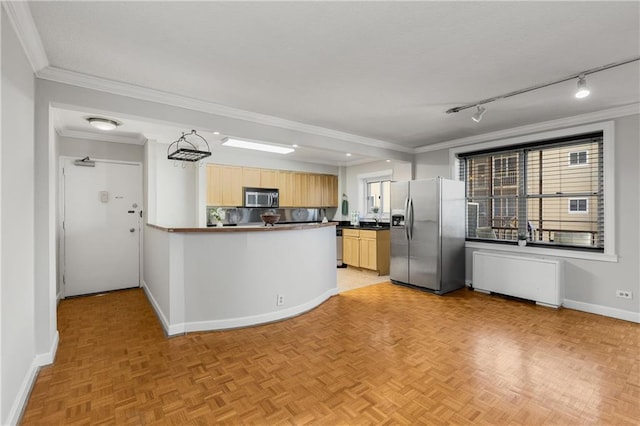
{"x": 257, "y": 146}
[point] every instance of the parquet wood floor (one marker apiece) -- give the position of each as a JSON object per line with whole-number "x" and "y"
{"x": 381, "y": 354}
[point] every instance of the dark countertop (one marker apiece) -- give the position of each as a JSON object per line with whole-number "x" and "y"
{"x": 367, "y": 226}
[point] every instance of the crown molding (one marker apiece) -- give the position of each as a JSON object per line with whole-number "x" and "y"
{"x": 81, "y": 134}
{"x": 25, "y": 28}
{"x": 143, "y": 93}
{"x": 591, "y": 117}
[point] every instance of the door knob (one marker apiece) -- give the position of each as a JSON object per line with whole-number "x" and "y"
{"x": 132, "y": 230}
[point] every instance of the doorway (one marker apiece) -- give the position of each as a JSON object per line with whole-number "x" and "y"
{"x": 101, "y": 225}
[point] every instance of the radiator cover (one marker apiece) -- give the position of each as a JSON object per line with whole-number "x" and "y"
{"x": 532, "y": 278}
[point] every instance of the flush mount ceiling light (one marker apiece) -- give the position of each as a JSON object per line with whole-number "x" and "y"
{"x": 581, "y": 82}
{"x": 478, "y": 115}
{"x": 103, "y": 123}
{"x": 183, "y": 150}
{"x": 257, "y": 146}
{"x": 583, "y": 90}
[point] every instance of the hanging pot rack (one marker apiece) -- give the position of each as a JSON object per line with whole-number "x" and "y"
{"x": 188, "y": 151}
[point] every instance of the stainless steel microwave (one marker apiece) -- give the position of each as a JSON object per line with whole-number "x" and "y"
{"x": 260, "y": 197}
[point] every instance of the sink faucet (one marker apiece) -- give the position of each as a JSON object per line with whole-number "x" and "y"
{"x": 376, "y": 220}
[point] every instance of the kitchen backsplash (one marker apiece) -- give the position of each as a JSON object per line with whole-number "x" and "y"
{"x": 243, "y": 215}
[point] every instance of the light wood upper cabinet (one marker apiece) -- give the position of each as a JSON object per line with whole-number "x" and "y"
{"x": 315, "y": 191}
{"x": 251, "y": 177}
{"x": 232, "y": 186}
{"x": 268, "y": 178}
{"x": 214, "y": 185}
{"x": 329, "y": 191}
{"x": 297, "y": 189}
{"x": 224, "y": 185}
{"x": 300, "y": 190}
{"x": 285, "y": 187}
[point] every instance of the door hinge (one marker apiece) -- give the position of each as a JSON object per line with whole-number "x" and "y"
{"x": 63, "y": 225}
{"x": 64, "y": 280}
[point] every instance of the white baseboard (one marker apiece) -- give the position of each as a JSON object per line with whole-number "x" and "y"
{"x": 48, "y": 357}
{"x": 259, "y": 319}
{"x": 40, "y": 360}
{"x": 156, "y": 307}
{"x": 602, "y": 310}
{"x": 58, "y": 297}
{"x": 175, "y": 329}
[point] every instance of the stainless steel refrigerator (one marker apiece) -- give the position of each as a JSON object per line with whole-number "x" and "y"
{"x": 428, "y": 233}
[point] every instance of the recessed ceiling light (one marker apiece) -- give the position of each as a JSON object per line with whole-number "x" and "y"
{"x": 348, "y": 154}
{"x": 258, "y": 146}
{"x": 295, "y": 145}
{"x": 216, "y": 133}
{"x": 388, "y": 161}
{"x": 103, "y": 123}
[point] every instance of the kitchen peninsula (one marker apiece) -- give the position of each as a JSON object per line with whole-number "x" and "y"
{"x": 217, "y": 278}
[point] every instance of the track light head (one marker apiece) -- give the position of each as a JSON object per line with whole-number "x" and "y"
{"x": 478, "y": 115}
{"x": 583, "y": 90}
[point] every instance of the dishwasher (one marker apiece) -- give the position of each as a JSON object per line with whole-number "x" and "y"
{"x": 339, "y": 248}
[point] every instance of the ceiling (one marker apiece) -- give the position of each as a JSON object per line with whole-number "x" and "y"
{"x": 377, "y": 73}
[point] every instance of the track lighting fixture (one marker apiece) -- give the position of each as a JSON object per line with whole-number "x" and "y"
{"x": 583, "y": 89}
{"x": 478, "y": 115}
{"x": 582, "y": 92}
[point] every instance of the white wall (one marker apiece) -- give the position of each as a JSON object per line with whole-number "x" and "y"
{"x": 77, "y": 147}
{"x": 18, "y": 351}
{"x": 432, "y": 164}
{"x": 591, "y": 285}
{"x": 172, "y": 194}
{"x": 353, "y": 183}
{"x": 250, "y": 159}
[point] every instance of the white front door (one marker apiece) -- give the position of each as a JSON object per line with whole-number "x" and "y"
{"x": 101, "y": 226}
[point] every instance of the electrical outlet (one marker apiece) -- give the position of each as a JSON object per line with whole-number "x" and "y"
{"x": 280, "y": 300}
{"x": 625, "y": 294}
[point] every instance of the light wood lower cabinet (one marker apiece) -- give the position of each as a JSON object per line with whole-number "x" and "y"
{"x": 366, "y": 249}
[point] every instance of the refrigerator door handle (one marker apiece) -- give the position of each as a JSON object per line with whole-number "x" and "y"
{"x": 410, "y": 217}
{"x": 406, "y": 218}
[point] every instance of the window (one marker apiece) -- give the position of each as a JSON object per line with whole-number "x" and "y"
{"x": 578, "y": 205}
{"x": 377, "y": 196}
{"x": 533, "y": 189}
{"x": 578, "y": 158}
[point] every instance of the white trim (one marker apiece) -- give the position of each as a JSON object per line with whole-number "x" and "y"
{"x": 185, "y": 327}
{"x": 602, "y": 310}
{"x": 576, "y": 120}
{"x": 169, "y": 331}
{"x": 543, "y": 251}
{"x": 608, "y": 141}
{"x": 25, "y": 28}
{"x": 262, "y": 318}
{"x": 80, "y": 134}
{"x": 20, "y": 402}
{"x": 144, "y": 93}
{"x": 48, "y": 358}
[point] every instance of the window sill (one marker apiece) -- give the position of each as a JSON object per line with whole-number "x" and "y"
{"x": 543, "y": 251}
